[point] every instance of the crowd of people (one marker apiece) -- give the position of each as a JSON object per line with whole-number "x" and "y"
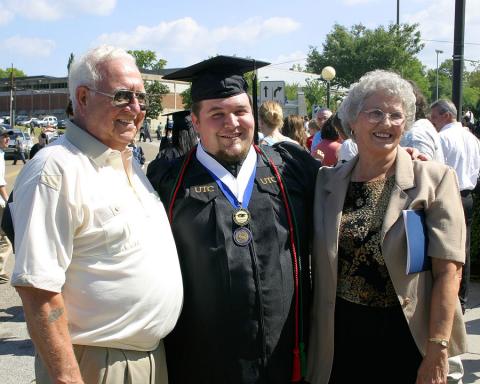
{"x": 269, "y": 251}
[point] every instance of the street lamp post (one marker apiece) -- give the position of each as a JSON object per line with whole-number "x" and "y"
{"x": 328, "y": 74}
{"x": 398, "y": 12}
{"x": 437, "y": 51}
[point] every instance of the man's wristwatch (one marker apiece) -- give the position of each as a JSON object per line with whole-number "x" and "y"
{"x": 442, "y": 342}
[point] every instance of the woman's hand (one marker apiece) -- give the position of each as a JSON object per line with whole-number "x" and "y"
{"x": 415, "y": 154}
{"x": 319, "y": 155}
{"x": 434, "y": 367}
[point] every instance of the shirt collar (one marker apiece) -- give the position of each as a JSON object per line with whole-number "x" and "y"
{"x": 89, "y": 145}
{"x": 450, "y": 125}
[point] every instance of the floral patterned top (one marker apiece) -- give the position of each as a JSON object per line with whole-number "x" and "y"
{"x": 362, "y": 274}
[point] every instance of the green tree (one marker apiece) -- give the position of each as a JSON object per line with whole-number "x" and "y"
{"x": 147, "y": 59}
{"x": 297, "y": 67}
{"x": 4, "y": 73}
{"x": 70, "y": 61}
{"x": 315, "y": 93}
{"x": 291, "y": 91}
{"x": 355, "y": 51}
{"x": 187, "y": 98}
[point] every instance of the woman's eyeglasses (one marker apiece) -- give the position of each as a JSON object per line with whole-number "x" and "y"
{"x": 376, "y": 116}
{"x": 123, "y": 97}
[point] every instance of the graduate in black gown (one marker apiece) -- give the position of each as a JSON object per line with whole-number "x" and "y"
{"x": 184, "y": 136}
{"x": 241, "y": 217}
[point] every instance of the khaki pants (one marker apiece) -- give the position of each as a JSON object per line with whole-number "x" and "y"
{"x": 100, "y": 365}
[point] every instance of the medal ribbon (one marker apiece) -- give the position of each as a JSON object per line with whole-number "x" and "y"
{"x": 231, "y": 196}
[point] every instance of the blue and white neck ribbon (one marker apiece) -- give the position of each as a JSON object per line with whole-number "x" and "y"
{"x": 237, "y": 190}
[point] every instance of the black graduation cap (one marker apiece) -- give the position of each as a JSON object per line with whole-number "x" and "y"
{"x": 181, "y": 119}
{"x": 220, "y": 77}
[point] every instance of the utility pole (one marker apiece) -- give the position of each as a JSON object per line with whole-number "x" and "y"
{"x": 458, "y": 47}
{"x": 12, "y": 113}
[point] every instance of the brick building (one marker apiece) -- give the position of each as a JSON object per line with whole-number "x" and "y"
{"x": 47, "y": 95}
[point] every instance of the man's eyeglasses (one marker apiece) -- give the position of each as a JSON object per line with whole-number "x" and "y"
{"x": 123, "y": 97}
{"x": 376, "y": 116}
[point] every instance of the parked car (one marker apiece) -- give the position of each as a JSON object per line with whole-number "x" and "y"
{"x": 62, "y": 124}
{"x": 28, "y": 122}
{"x": 20, "y": 118}
{"x": 10, "y": 150}
{"x": 48, "y": 121}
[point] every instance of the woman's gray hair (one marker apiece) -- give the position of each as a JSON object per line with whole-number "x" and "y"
{"x": 388, "y": 82}
{"x": 84, "y": 70}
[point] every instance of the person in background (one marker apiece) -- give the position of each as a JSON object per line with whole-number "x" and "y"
{"x": 293, "y": 128}
{"x": 468, "y": 124}
{"x": 184, "y": 136}
{"x": 330, "y": 144}
{"x": 20, "y": 148}
{"x": 270, "y": 123}
{"x": 469, "y": 114}
{"x": 158, "y": 131}
{"x": 321, "y": 117}
{"x": 98, "y": 299}
{"x": 312, "y": 129}
{"x": 137, "y": 152}
{"x": 42, "y": 142}
{"x": 461, "y": 150}
{"x": 365, "y": 306}
{"x": 146, "y": 130}
{"x": 348, "y": 150}
{"x": 423, "y": 135}
{"x": 5, "y": 246}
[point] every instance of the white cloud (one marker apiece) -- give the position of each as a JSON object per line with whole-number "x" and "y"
{"x": 193, "y": 40}
{"x": 436, "y": 24}
{"x": 48, "y": 10}
{"x": 28, "y": 46}
{"x": 5, "y": 15}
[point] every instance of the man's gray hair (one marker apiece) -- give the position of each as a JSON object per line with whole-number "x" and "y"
{"x": 84, "y": 70}
{"x": 388, "y": 82}
{"x": 443, "y": 106}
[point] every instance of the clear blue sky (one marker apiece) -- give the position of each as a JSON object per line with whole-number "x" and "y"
{"x": 37, "y": 36}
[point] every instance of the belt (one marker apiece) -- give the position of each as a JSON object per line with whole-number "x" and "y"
{"x": 466, "y": 192}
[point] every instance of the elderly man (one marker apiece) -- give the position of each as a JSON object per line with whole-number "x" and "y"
{"x": 461, "y": 150}
{"x": 5, "y": 246}
{"x": 239, "y": 216}
{"x": 98, "y": 295}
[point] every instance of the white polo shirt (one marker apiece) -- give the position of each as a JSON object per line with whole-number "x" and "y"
{"x": 86, "y": 227}
{"x": 462, "y": 152}
{"x": 3, "y": 182}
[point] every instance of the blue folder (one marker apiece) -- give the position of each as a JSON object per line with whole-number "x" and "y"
{"x": 417, "y": 241}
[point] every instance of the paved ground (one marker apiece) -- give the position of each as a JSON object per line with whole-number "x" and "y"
{"x": 16, "y": 349}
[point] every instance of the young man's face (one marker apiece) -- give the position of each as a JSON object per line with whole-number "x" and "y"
{"x": 226, "y": 127}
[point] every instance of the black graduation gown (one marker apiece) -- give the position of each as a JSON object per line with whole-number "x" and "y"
{"x": 237, "y": 321}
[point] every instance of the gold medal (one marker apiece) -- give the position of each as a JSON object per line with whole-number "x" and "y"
{"x": 241, "y": 217}
{"x": 242, "y": 236}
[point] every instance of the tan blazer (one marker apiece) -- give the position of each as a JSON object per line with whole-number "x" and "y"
{"x": 428, "y": 185}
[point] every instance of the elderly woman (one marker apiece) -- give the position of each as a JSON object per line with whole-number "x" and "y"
{"x": 371, "y": 321}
